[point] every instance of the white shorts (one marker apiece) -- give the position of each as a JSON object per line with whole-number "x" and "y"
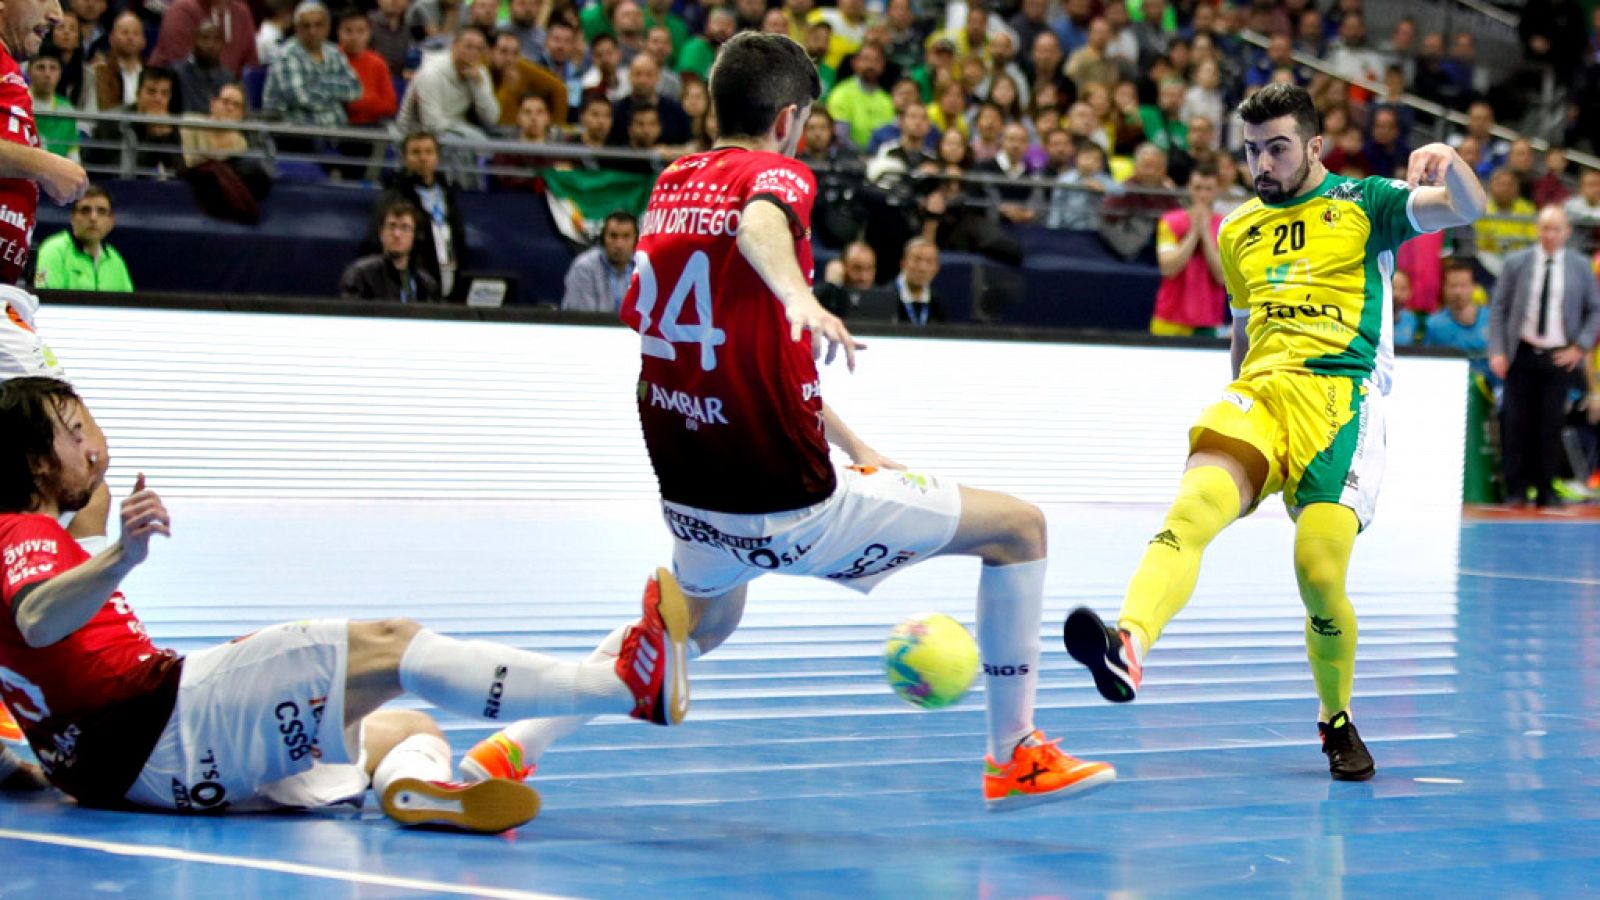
{"x": 258, "y": 723}
{"x": 22, "y": 351}
{"x": 877, "y": 521}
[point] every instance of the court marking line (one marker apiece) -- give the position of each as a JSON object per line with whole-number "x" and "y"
{"x": 155, "y": 851}
{"x": 1547, "y": 579}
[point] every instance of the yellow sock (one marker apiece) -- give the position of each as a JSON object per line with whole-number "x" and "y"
{"x": 1323, "y": 539}
{"x": 1208, "y": 500}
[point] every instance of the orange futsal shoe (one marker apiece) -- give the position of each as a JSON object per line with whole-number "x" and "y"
{"x": 488, "y": 807}
{"x": 10, "y": 731}
{"x": 654, "y": 662}
{"x": 496, "y": 756}
{"x": 1038, "y": 773}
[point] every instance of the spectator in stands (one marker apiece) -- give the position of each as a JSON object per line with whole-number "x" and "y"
{"x": 1310, "y": 38}
{"x": 1205, "y": 96}
{"x": 696, "y": 58}
{"x": 658, "y": 43}
{"x": 1436, "y": 79}
{"x": 432, "y": 20}
{"x": 377, "y": 102}
{"x": 919, "y": 303}
{"x": 1551, "y": 187}
{"x": 1407, "y": 325}
{"x": 1072, "y": 27}
{"x": 1163, "y": 120}
{"x": 1279, "y": 57}
{"x": 1192, "y": 299}
{"x": 907, "y": 37}
{"x": 604, "y": 72}
{"x": 1496, "y": 234}
{"x": 911, "y": 148}
{"x": 180, "y": 31}
{"x": 158, "y": 145}
{"x": 1348, "y": 156}
{"x": 1461, "y": 324}
{"x": 1089, "y": 63}
{"x": 594, "y": 125}
{"x": 58, "y": 134}
{"x": 860, "y": 103}
{"x": 1234, "y": 189}
{"x": 599, "y": 276}
{"x": 312, "y": 81}
{"x": 1543, "y": 322}
{"x": 515, "y": 77}
{"x": 1421, "y": 259}
{"x": 92, "y": 31}
{"x": 65, "y": 45}
{"x": 1386, "y": 150}
{"x": 1131, "y": 216}
{"x": 450, "y": 87}
{"x": 1150, "y": 32}
{"x": 441, "y": 242}
{"x": 1520, "y": 162}
{"x": 819, "y": 35}
{"x": 79, "y": 259}
{"x": 1583, "y": 208}
{"x": 1553, "y": 33}
{"x": 1123, "y": 49}
{"x": 644, "y": 133}
{"x": 1060, "y": 154}
{"x": 202, "y": 73}
{"x": 391, "y": 36}
{"x": 644, "y": 91}
{"x": 391, "y": 273}
{"x": 596, "y": 19}
{"x": 485, "y": 14}
{"x": 1085, "y": 128}
{"x": 1480, "y": 125}
{"x": 1076, "y": 201}
{"x": 225, "y": 183}
{"x": 561, "y": 57}
{"x": 1017, "y": 201}
{"x": 1047, "y": 65}
{"x": 905, "y": 94}
{"x": 659, "y": 14}
{"x": 533, "y": 127}
{"x": 627, "y": 24}
{"x": 275, "y": 30}
{"x": 1123, "y": 119}
{"x": 849, "y": 289}
{"x": 116, "y": 73}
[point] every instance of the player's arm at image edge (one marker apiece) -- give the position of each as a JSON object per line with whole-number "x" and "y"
{"x": 766, "y": 241}
{"x": 48, "y": 611}
{"x": 1461, "y": 201}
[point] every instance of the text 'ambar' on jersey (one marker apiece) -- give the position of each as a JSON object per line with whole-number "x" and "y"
{"x": 693, "y": 220}
{"x": 706, "y": 410}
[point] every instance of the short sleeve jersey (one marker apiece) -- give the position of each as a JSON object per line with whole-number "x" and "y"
{"x": 1312, "y": 275}
{"x": 731, "y": 408}
{"x": 19, "y": 197}
{"x": 102, "y": 687}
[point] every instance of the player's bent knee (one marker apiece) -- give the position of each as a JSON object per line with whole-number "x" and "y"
{"x": 1321, "y": 576}
{"x": 404, "y": 722}
{"x": 383, "y": 637}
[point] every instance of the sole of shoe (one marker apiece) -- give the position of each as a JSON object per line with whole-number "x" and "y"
{"x": 1363, "y": 775}
{"x": 488, "y": 807}
{"x": 676, "y": 616}
{"x": 1088, "y": 642}
{"x": 1086, "y": 785}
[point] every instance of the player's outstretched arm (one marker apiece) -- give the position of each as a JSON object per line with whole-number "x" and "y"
{"x": 1460, "y": 201}
{"x": 766, "y": 243}
{"x": 62, "y": 180}
{"x": 840, "y": 435}
{"x": 51, "y": 610}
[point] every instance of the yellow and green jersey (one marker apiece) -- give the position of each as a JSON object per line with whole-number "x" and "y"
{"x": 1312, "y": 276}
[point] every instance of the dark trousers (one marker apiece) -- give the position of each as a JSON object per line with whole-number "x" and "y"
{"x": 1534, "y": 400}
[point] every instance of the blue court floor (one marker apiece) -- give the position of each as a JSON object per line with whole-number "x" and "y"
{"x": 799, "y": 774}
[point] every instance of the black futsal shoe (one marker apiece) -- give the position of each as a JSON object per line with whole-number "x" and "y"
{"x": 1107, "y": 652}
{"x": 1348, "y": 759}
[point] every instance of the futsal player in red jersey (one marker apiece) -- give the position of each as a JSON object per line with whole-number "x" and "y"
{"x": 287, "y": 716}
{"x": 24, "y": 168}
{"x": 738, "y": 432}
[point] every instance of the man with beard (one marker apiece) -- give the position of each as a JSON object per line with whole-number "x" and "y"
{"x": 1307, "y": 266}
{"x": 23, "y": 27}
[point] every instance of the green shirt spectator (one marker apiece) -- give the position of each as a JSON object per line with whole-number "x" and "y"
{"x": 596, "y": 20}
{"x": 701, "y": 52}
{"x": 79, "y": 259}
{"x": 860, "y": 101}
{"x": 58, "y": 135}
{"x": 658, "y": 13}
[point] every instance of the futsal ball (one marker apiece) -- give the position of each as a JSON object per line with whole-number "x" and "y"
{"x": 930, "y": 660}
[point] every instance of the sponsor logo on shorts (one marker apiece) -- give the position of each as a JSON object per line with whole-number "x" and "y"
{"x": 491, "y": 705}
{"x": 1352, "y": 481}
{"x": 922, "y": 483}
{"x": 208, "y": 793}
{"x": 751, "y": 551}
{"x": 1005, "y": 671}
{"x": 875, "y": 560}
{"x": 64, "y": 755}
{"x": 298, "y": 727}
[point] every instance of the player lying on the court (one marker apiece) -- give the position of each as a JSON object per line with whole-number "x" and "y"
{"x": 1307, "y": 265}
{"x": 286, "y": 717}
{"x": 738, "y": 434}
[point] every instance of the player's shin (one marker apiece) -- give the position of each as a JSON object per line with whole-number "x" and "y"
{"x": 1324, "y": 538}
{"x": 1208, "y": 500}
{"x": 492, "y": 681}
{"x": 1010, "y": 604}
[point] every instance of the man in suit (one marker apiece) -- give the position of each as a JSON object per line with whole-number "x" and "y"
{"x": 919, "y": 305}
{"x": 1544, "y": 319}
{"x": 848, "y": 289}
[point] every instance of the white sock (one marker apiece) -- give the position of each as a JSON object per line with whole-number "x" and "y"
{"x": 1010, "y": 607}
{"x": 424, "y": 756}
{"x": 1138, "y": 648}
{"x": 493, "y": 681}
{"x": 93, "y": 544}
{"x": 536, "y": 735}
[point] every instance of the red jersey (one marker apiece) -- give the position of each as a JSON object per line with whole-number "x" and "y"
{"x": 92, "y": 704}
{"x": 19, "y": 197}
{"x": 731, "y": 407}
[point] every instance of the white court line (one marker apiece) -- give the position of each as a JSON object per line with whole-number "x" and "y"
{"x": 1548, "y": 579}
{"x": 273, "y": 865}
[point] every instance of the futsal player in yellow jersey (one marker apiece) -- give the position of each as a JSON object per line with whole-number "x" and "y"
{"x": 1307, "y": 266}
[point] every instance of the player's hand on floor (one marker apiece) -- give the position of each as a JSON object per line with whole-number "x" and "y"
{"x": 143, "y": 515}
{"x": 27, "y": 777}
{"x": 808, "y": 315}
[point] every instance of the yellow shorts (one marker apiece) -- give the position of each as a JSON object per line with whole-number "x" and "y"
{"x": 1322, "y": 437}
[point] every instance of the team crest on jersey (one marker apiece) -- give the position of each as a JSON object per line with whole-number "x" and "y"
{"x": 1252, "y": 236}
{"x": 1331, "y": 216}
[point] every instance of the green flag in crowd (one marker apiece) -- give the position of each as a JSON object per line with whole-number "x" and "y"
{"x": 580, "y": 199}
